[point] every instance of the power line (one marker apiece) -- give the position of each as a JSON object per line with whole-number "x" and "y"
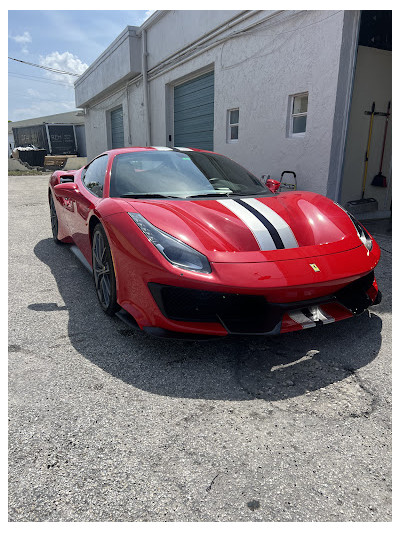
{"x": 37, "y": 99}
{"x": 261, "y": 29}
{"x": 57, "y": 71}
{"x": 39, "y": 79}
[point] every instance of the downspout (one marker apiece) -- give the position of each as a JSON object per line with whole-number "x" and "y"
{"x": 146, "y": 89}
{"x": 128, "y": 116}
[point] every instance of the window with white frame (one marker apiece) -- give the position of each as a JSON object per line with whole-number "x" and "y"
{"x": 298, "y": 114}
{"x": 233, "y": 125}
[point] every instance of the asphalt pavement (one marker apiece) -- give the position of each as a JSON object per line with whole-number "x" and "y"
{"x": 108, "y": 424}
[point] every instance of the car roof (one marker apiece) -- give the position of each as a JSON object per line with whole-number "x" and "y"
{"x": 131, "y": 149}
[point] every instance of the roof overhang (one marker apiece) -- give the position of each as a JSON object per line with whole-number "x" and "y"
{"x": 120, "y": 61}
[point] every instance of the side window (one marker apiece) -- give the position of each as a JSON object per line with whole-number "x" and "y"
{"x": 298, "y": 114}
{"x": 232, "y": 126}
{"x": 95, "y": 175}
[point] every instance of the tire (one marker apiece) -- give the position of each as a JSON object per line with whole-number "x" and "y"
{"x": 54, "y": 220}
{"x": 103, "y": 272}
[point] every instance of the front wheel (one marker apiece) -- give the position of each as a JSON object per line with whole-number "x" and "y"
{"x": 103, "y": 271}
{"x": 54, "y": 220}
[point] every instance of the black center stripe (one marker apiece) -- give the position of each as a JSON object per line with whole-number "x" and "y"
{"x": 266, "y": 223}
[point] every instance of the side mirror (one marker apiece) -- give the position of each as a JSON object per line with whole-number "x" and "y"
{"x": 67, "y": 190}
{"x": 273, "y": 185}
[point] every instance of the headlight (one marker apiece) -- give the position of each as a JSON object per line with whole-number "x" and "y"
{"x": 175, "y": 251}
{"x": 362, "y": 233}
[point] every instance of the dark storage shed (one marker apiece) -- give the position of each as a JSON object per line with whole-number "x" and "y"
{"x": 56, "y": 139}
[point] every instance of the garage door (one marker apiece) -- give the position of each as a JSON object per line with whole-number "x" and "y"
{"x": 194, "y": 113}
{"x": 117, "y": 128}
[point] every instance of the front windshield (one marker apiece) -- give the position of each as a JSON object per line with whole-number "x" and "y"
{"x": 180, "y": 175}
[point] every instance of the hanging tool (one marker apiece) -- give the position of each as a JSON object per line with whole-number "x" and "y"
{"x": 379, "y": 180}
{"x": 371, "y": 122}
{"x": 365, "y": 204}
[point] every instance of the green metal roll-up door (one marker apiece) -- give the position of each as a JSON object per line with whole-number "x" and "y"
{"x": 194, "y": 113}
{"x": 117, "y": 128}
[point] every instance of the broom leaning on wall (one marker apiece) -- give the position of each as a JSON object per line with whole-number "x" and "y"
{"x": 379, "y": 180}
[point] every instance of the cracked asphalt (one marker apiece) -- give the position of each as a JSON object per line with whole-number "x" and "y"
{"x": 108, "y": 424}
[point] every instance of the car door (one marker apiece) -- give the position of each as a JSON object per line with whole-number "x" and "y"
{"x": 92, "y": 185}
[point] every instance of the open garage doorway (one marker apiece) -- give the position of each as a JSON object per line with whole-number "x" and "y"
{"x": 372, "y": 83}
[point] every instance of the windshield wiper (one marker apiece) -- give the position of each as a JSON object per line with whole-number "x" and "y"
{"x": 139, "y": 195}
{"x": 145, "y": 195}
{"x": 215, "y": 193}
{"x": 220, "y": 193}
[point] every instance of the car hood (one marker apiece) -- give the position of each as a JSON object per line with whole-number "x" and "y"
{"x": 285, "y": 226}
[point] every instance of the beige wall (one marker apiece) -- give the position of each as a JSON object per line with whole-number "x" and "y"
{"x": 373, "y": 82}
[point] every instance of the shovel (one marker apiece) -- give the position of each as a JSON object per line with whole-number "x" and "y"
{"x": 379, "y": 180}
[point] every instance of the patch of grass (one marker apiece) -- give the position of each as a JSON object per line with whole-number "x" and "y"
{"x": 28, "y": 172}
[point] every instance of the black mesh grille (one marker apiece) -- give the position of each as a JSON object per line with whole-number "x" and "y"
{"x": 178, "y": 303}
{"x": 354, "y": 296}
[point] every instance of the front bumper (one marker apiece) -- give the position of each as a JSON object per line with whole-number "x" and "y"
{"x": 277, "y": 282}
{"x": 253, "y": 314}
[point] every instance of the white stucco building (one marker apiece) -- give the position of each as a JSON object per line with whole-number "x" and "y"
{"x": 273, "y": 90}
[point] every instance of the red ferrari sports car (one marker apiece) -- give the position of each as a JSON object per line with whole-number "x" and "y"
{"x": 187, "y": 241}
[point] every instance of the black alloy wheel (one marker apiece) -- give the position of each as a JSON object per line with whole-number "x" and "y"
{"x": 54, "y": 220}
{"x": 103, "y": 271}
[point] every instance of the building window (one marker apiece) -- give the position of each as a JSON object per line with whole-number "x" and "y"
{"x": 233, "y": 126}
{"x": 298, "y": 114}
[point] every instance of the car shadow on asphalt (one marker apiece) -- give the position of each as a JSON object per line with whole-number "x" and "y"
{"x": 235, "y": 368}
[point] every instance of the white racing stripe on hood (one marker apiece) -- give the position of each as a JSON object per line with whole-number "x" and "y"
{"x": 260, "y": 232}
{"x": 161, "y": 148}
{"x": 183, "y": 149}
{"x": 284, "y": 230}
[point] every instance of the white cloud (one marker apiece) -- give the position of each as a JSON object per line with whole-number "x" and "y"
{"x": 22, "y": 39}
{"x": 65, "y": 61}
{"x": 32, "y": 92}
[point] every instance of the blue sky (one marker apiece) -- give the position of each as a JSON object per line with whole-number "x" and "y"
{"x": 66, "y": 40}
